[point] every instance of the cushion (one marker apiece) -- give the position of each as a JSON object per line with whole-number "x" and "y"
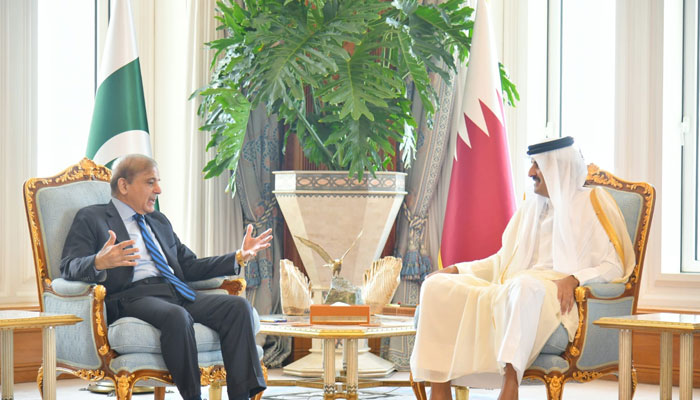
{"x": 122, "y": 334}
{"x": 549, "y": 362}
{"x": 556, "y": 344}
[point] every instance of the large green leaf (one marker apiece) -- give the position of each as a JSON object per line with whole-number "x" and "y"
{"x": 335, "y": 72}
{"x": 231, "y": 110}
{"x": 361, "y": 81}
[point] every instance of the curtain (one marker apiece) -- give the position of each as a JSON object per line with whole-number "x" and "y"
{"x": 255, "y": 182}
{"x": 213, "y": 221}
{"x": 18, "y": 154}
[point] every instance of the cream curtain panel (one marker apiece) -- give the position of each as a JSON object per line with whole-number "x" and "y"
{"x": 206, "y": 203}
{"x": 18, "y": 135}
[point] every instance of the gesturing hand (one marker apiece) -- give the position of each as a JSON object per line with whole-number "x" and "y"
{"x": 252, "y": 245}
{"x": 565, "y": 292}
{"x": 116, "y": 255}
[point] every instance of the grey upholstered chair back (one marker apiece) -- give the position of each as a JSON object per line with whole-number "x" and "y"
{"x": 56, "y": 208}
{"x": 630, "y": 204}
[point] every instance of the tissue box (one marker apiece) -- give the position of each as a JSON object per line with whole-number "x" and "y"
{"x": 399, "y": 309}
{"x": 325, "y": 314}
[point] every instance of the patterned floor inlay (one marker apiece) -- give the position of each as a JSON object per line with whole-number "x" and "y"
{"x": 290, "y": 393}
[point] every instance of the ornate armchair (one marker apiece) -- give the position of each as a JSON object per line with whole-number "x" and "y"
{"x": 127, "y": 351}
{"x": 594, "y": 350}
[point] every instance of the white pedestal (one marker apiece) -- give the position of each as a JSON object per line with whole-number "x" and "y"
{"x": 370, "y": 365}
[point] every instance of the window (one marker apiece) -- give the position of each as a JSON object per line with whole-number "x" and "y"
{"x": 565, "y": 67}
{"x": 588, "y": 77}
{"x": 686, "y": 163}
{"x": 66, "y": 81}
{"x": 581, "y": 76}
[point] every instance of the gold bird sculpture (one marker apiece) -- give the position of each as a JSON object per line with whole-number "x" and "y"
{"x": 335, "y": 265}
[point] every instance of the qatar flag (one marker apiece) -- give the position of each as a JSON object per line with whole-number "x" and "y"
{"x": 480, "y": 201}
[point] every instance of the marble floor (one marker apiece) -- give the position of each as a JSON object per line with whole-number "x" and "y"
{"x": 73, "y": 389}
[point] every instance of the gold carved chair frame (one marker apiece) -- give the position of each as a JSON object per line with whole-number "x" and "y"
{"x": 555, "y": 379}
{"x": 87, "y": 170}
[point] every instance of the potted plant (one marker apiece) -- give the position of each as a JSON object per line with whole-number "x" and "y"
{"x": 338, "y": 74}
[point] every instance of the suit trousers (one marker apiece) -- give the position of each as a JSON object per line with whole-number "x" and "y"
{"x": 230, "y": 316}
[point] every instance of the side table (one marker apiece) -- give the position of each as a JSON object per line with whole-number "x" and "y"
{"x": 15, "y": 319}
{"x": 347, "y": 386}
{"x": 666, "y": 324}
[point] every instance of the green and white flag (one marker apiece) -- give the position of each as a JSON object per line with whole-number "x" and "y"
{"x": 119, "y": 125}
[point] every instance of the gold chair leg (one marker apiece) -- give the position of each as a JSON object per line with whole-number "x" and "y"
{"x": 264, "y": 371}
{"x": 461, "y": 393}
{"x": 215, "y": 390}
{"x": 159, "y": 393}
{"x": 418, "y": 388}
{"x": 124, "y": 387}
{"x": 554, "y": 385}
{"x": 40, "y": 381}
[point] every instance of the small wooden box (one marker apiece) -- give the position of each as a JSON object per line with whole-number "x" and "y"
{"x": 397, "y": 309}
{"x": 325, "y": 314}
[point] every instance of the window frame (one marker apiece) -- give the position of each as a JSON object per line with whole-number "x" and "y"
{"x": 689, "y": 132}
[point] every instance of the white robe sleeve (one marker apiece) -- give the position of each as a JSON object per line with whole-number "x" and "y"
{"x": 610, "y": 268}
{"x": 483, "y": 269}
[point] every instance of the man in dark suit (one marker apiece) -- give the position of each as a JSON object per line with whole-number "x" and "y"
{"x": 131, "y": 249}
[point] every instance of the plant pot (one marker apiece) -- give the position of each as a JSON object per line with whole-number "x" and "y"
{"x": 330, "y": 209}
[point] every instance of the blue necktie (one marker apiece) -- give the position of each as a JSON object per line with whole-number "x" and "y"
{"x": 160, "y": 262}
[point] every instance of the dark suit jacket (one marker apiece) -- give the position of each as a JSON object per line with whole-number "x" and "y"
{"x": 89, "y": 232}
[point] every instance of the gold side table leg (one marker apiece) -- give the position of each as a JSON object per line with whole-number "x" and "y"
{"x": 461, "y": 393}
{"x": 685, "y": 385}
{"x": 352, "y": 369}
{"x": 328, "y": 369}
{"x": 49, "y": 350}
{"x": 625, "y": 366}
{"x": 7, "y": 363}
{"x": 215, "y": 390}
{"x": 666, "y": 362}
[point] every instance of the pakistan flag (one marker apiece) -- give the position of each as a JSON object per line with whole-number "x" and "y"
{"x": 119, "y": 125}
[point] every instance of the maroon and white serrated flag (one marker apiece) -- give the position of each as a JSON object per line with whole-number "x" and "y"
{"x": 481, "y": 200}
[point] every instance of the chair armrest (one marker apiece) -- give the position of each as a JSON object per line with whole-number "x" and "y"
{"x": 606, "y": 290}
{"x": 83, "y": 345}
{"x": 594, "y": 347}
{"x": 64, "y": 287}
{"x": 256, "y": 321}
{"x": 211, "y": 283}
{"x": 234, "y": 286}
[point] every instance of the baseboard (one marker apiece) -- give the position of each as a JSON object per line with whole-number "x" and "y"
{"x": 27, "y": 354}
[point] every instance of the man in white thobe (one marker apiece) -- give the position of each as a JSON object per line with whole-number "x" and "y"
{"x": 482, "y": 323}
